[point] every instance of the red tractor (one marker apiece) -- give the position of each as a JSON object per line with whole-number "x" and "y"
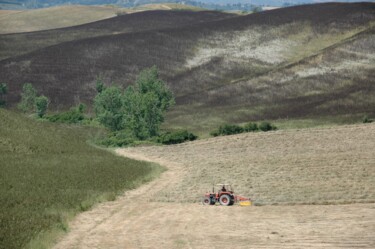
{"x": 225, "y": 196}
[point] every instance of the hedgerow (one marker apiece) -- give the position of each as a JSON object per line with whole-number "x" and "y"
{"x": 176, "y": 137}
{"x": 230, "y": 129}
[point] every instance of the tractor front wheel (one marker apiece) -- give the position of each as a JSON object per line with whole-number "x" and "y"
{"x": 225, "y": 200}
{"x": 206, "y": 200}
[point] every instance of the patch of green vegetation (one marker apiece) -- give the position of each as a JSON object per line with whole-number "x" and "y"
{"x": 3, "y": 91}
{"x": 366, "y": 120}
{"x": 230, "y": 129}
{"x": 176, "y": 137}
{"x": 49, "y": 173}
{"x": 74, "y": 116}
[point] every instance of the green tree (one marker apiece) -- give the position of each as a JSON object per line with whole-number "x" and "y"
{"x": 28, "y": 98}
{"x": 3, "y": 91}
{"x": 134, "y": 113}
{"x": 41, "y": 105}
{"x": 156, "y": 99}
{"x": 109, "y": 108}
{"x": 149, "y": 81}
{"x": 140, "y": 109}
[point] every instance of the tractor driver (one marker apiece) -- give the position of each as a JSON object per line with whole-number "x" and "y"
{"x": 223, "y": 189}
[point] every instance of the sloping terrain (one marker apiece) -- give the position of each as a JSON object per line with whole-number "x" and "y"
{"x": 308, "y": 166}
{"x": 284, "y": 167}
{"x": 54, "y": 17}
{"x": 18, "y": 44}
{"x": 167, "y": 6}
{"x": 207, "y": 64}
{"x": 49, "y": 173}
{"x": 338, "y": 80}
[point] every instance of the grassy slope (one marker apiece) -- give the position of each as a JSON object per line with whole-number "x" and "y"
{"x": 49, "y": 173}
{"x": 222, "y": 71}
{"x": 54, "y": 17}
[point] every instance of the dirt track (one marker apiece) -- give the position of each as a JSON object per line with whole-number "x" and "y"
{"x": 136, "y": 220}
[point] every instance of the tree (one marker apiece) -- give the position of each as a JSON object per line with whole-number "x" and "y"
{"x": 41, "y": 105}
{"x": 28, "y": 98}
{"x": 149, "y": 81}
{"x": 108, "y": 108}
{"x": 133, "y": 113}
{"x": 3, "y": 91}
{"x": 140, "y": 109}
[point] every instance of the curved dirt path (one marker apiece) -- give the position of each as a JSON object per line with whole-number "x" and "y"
{"x": 89, "y": 229}
{"x": 134, "y": 220}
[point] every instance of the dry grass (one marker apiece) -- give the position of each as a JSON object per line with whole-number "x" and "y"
{"x": 167, "y": 6}
{"x": 54, "y": 17}
{"x": 311, "y": 166}
{"x": 330, "y": 165}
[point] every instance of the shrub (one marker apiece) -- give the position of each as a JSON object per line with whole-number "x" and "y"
{"x": 41, "y": 105}
{"x": 176, "y": 137}
{"x": 236, "y": 129}
{"x": 3, "y": 91}
{"x": 230, "y": 129}
{"x": 215, "y": 133}
{"x": 267, "y": 126}
{"x": 251, "y": 127}
{"x": 366, "y": 119}
{"x": 117, "y": 139}
{"x": 73, "y": 116}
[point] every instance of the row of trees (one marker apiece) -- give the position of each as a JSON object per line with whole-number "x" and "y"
{"x": 30, "y": 101}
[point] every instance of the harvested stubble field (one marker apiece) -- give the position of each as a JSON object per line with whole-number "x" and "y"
{"x": 312, "y": 166}
{"x": 332, "y": 165}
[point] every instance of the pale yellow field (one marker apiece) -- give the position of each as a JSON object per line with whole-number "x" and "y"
{"x": 330, "y": 165}
{"x": 307, "y": 166}
{"x": 51, "y": 18}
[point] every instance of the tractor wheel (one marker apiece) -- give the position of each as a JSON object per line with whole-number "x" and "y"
{"x": 206, "y": 201}
{"x": 231, "y": 201}
{"x": 225, "y": 200}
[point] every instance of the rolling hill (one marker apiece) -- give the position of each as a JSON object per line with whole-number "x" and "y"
{"x": 54, "y": 17}
{"x": 297, "y": 62}
{"x": 17, "y": 44}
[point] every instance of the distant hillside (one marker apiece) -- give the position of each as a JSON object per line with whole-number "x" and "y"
{"x": 260, "y": 66}
{"x": 52, "y": 18}
{"x": 17, "y": 44}
{"x": 166, "y": 6}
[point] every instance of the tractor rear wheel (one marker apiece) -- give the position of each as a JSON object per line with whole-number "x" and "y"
{"x": 225, "y": 200}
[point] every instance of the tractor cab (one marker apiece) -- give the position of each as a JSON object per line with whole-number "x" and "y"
{"x": 224, "y": 189}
